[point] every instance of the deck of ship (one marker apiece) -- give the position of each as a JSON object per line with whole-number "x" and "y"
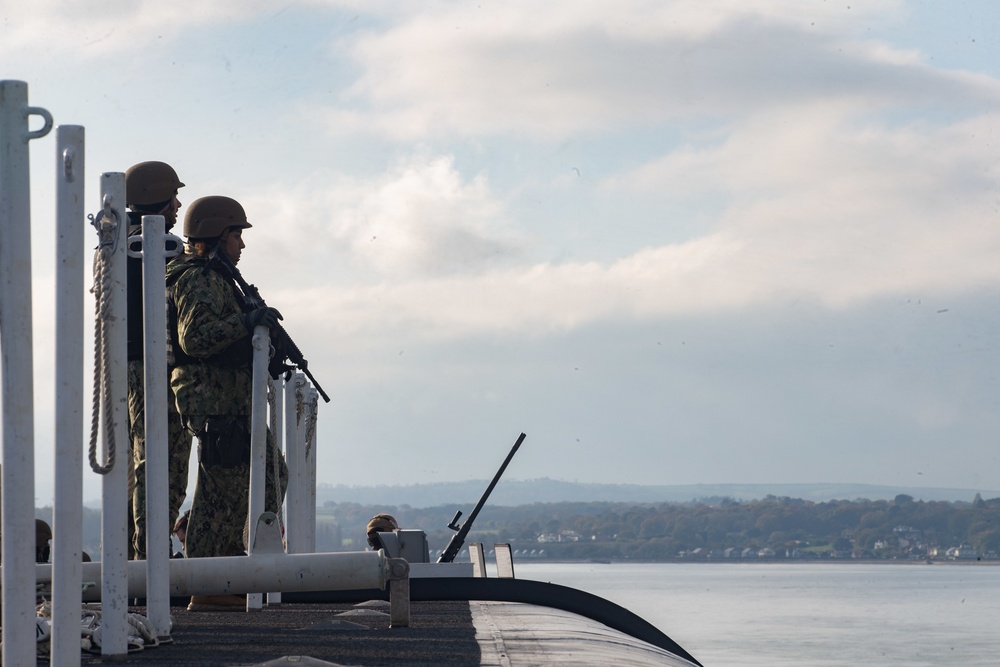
{"x": 440, "y": 633}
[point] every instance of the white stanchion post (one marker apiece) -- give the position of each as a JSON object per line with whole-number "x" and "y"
{"x": 18, "y": 475}
{"x": 295, "y": 458}
{"x": 277, "y": 420}
{"x": 258, "y": 443}
{"x": 67, "y": 514}
{"x": 114, "y": 490}
{"x": 154, "y": 260}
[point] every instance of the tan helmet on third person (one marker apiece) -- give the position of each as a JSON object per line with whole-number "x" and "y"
{"x": 208, "y": 217}
{"x": 380, "y": 523}
{"x": 149, "y": 183}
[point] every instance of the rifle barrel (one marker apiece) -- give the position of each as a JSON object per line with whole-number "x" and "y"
{"x": 496, "y": 478}
{"x": 305, "y": 369}
{"x": 458, "y": 539}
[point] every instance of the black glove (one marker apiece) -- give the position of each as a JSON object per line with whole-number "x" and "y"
{"x": 264, "y": 317}
{"x": 277, "y": 367}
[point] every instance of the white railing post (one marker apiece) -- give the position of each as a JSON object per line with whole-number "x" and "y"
{"x": 114, "y": 490}
{"x": 154, "y": 260}
{"x": 18, "y": 476}
{"x": 295, "y": 458}
{"x": 67, "y": 515}
{"x": 258, "y": 443}
{"x": 277, "y": 424}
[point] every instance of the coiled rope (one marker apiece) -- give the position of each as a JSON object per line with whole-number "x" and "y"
{"x": 272, "y": 407}
{"x": 300, "y": 407}
{"x": 106, "y": 223}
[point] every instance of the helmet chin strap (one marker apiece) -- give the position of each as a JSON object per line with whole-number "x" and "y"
{"x": 168, "y": 222}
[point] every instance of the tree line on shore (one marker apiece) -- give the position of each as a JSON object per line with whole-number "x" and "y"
{"x": 898, "y": 528}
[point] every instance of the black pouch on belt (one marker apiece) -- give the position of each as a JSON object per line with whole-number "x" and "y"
{"x": 225, "y": 442}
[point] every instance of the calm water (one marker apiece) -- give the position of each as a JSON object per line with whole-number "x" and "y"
{"x": 742, "y": 615}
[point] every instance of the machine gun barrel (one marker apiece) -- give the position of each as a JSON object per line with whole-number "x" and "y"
{"x": 458, "y": 539}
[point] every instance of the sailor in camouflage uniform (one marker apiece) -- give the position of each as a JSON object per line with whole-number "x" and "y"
{"x": 210, "y": 342}
{"x": 150, "y": 189}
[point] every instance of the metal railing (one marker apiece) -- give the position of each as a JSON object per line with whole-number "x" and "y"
{"x": 18, "y": 374}
{"x": 293, "y": 414}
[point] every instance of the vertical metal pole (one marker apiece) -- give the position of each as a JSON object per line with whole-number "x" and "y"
{"x": 258, "y": 442}
{"x": 67, "y": 519}
{"x": 277, "y": 419}
{"x": 154, "y": 285}
{"x": 114, "y": 501}
{"x": 295, "y": 458}
{"x": 18, "y": 477}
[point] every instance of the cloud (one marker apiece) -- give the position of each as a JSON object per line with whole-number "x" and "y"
{"x": 97, "y": 29}
{"x": 819, "y": 202}
{"x": 512, "y": 69}
{"x": 538, "y": 300}
{"x": 842, "y": 207}
{"x": 823, "y": 193}
{"x": 419, "y": 218}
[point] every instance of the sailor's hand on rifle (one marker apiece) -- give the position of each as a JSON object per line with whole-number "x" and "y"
{"x": 279, "y": 356}
{"x": 264, "y": 317}
{"x": 277, "y": 367}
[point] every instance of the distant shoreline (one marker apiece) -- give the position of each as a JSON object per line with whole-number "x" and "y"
{"x": 763, "y": 561}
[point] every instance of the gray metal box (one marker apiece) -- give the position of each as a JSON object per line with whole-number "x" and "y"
{"x": 408, "y": 544}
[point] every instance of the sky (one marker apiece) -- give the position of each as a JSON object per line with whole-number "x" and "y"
{"x": 674, "y": 242}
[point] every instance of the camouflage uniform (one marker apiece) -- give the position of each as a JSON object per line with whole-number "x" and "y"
{"x": 178, "y": 456}
{"x": 178, "y": 439}
{"x": 212, "y": 381}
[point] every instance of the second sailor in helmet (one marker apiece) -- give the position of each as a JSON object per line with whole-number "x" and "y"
{"x": 209, "y": 339}
{"x": 150, "y": 189}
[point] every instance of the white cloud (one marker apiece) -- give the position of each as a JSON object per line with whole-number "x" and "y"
{"x": 535, "y": 301}
{"x": 419, "y": 218}
{"x": 93, "y": 29}
{"x": 819, "y": 198}
{"x": 554, "y": 74}
{"x": 848, "y": 208}
{"x": 422, "y": 217}
{"x": 819, "y": 205}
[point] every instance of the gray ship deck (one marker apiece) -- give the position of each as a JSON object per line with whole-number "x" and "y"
{"x": 440, "y": 633}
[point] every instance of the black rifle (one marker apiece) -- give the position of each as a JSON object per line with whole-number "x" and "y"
{"x": 252, "y": 301}
{"x": 458, "y": 539}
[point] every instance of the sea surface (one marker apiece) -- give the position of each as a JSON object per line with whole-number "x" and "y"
{"x": 814, "y": 614}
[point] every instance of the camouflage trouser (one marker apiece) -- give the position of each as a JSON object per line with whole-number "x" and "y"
{"x": 218, "y": 521}
{"x": 178, "y": 455}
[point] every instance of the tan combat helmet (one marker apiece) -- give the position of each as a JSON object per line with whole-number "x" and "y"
{"x": 380, "y": 523}
{"x": 208, "y": 217}
{"x": 150, "y": 183}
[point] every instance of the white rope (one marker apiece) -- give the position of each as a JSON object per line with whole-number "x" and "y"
{"x": 272, "y": 407}
{"x": 107, "y": 230}
{"x": 311, "y": 424}
{"x": 141, "y": 633}
{"x": 300, "y": 406}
